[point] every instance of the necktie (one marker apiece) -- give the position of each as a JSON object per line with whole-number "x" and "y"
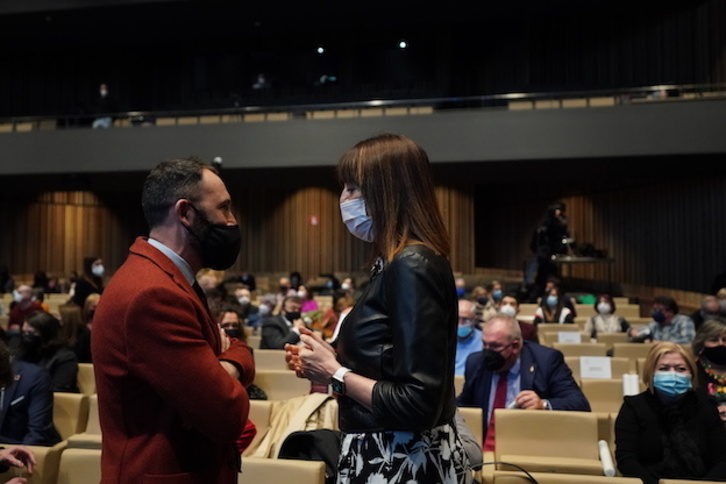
{"x": 500, "y": 400}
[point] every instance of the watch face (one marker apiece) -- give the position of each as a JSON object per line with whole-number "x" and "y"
{"x": 337, "y": 386}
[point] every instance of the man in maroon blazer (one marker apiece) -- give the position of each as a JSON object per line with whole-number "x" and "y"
{"x": 171, "y": 384}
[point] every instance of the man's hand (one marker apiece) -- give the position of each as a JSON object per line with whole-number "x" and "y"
{"x": 231, "y": 369}
{"x": 529, "y": 400}
{"x": 18, "y": 456}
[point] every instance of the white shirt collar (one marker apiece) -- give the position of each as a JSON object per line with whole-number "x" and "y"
{"x": 178, "y": 261}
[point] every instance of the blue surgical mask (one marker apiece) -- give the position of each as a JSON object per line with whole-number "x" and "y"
{"x": 672, "y": 383}
{"x": 465, "y": 331}
{"x": 552, "y": 301}
{"x": 497, "y": 294}
{"x": 356, "y": 218}
{"x": 460, "y": 291}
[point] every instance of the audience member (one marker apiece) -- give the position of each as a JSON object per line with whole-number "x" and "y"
{"x": 350, "y": 287}
{"x": 295, "y": 280}
{"x": 75, "y": 332}
{"x": 39, "y": 296}
{"x": 250, "y": 313}
{"x": 230, "y": 320}
{"x": 710, "y": 308}
{"x": 105, "y": 107}
{"x": 709, "y": 348}
{"x": 605, "y": 321}
{"x": 496, "y": 291}
{"x": 26, "y": 404}
{"x": 667, "y": 324}
{"x": 721, "y": 295}
{"x": 509, "y": 306}
{"x": 670, "y": 431}
{"x": 469, "y": 336}
{"x": 90, "y": 282}
{"x": 284, "y": 328}
{"x": 245, "y": 278}
{"x": 41, "y": 281}
{"x": 25, "y": 305}
{"x": 285, "y": 289}
{"x": 41, "y": 344}
{"x": 555, "y": 282}
{"x": 460, "y": 284}
{"x": 7, "y": 283}
{"x": 518, "y": 374}
{"x": 485, "y": 306}
{"x": 215, "y": 296}
{"x": 342, "y": 303}
{"x": 208, "y": 279}
{"x": 550, "y": 238}
{"x": 308, "y": 301}
{"x": 552, "y": 309}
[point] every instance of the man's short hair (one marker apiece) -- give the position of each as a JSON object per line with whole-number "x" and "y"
{"x": 295, "y": 299}
{"x": 668, "y": 303}
{"x": 515, "y": 332}
{"x": 168, "y": 182}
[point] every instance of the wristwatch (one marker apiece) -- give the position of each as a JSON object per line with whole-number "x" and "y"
{"x": 338, "y": 382}
{"x": 546, "y": 405}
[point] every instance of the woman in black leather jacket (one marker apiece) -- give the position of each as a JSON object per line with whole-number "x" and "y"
{"x": 392, "y": 359}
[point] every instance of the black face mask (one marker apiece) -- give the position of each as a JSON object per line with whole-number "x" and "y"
{"x": 220, "y": 244}
{"x": 31, "y": 342}
{"x": 493, "y": 360}
{"x": 292, "y": 316}
{"x": 716, "y": 355}
{"x": 232, "y": 333}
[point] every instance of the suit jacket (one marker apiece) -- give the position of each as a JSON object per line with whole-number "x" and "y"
{"x": 168, "y": 410}
{"x": 27, "y": 407}
{"x": 543, "y": 370}
{"x": 276, "y": 333}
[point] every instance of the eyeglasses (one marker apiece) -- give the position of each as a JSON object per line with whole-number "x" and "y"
{"x": 496, "y": 346}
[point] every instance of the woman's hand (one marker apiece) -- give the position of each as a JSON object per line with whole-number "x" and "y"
{"x": 317, "y": 358}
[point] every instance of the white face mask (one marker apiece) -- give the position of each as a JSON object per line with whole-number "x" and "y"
{"x": 98, "y": 270}
{"x": 302, "y": 294}
{"x": 508, "y": 310}
{"x": 356, "y": 219}
{"x": 264, "y": 310}
{"x": 604, "y": 308}
{"x": 17, "y": 297}
{"x": 243, "y": 300}
{"x": 345, "y": 286}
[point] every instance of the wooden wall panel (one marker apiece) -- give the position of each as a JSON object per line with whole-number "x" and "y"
{"x": 662, "y": 234}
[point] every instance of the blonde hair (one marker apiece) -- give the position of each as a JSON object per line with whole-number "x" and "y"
{"x": 663, "y": 348}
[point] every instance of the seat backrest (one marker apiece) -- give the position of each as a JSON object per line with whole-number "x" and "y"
{"x": 270, "y": 360}
{"x": 604, "y": 395}
{"x": 459, "y": 381}
{"x": 513, "y": 477}
{"x": 581, "y": 349}
{"x": 70, "y": 413}
{"x": 262, "y": 469}
{"x": 541, "y": 327}
{"x": 474, "y": 419}
{"x": 86, "y": 379}
{"x": 631, "y": 350}
{"x": 253, "y": 341}
{"x": 260, "y": 415}
{"x": 555, "y": 433}
{"x": 281, "y": 384}
{"x": 94, "y": 423}
{"x": 618, "y": 366}
{"x": 610, "y": 338}
{"x": 80, "y": 466}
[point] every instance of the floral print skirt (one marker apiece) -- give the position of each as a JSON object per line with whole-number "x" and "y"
{"x": 431, "y": 456}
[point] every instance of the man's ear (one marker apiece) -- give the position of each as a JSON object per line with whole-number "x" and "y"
{"x": 182, "y": 207}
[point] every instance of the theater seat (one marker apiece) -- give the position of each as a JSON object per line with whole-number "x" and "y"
{"x": 80, "y": 466}
{"x": 260, "y": 469}
{"x": 260, "y": 415}
{"x": 512, "y": 477}
{"x": 281, "y": 384}
{"x": 91, "y": 437}
{"x": 70, "y": 413}
{"x": 548, "y": 441}
{"x": 270, "y": 360}
{"x": 86, "y": 379}
{"x": 581, "y": 349}
{"x": 46, "y": 469}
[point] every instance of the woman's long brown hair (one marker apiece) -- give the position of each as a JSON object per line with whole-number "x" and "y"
{"x": 394, "y": 176}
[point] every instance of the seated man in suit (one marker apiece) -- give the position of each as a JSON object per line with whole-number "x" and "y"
{"x": 26, "y": 403}
{"x": 284, "y": 328}
{"x": 519, "y": 374}
{"x": 469, "y": 336}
